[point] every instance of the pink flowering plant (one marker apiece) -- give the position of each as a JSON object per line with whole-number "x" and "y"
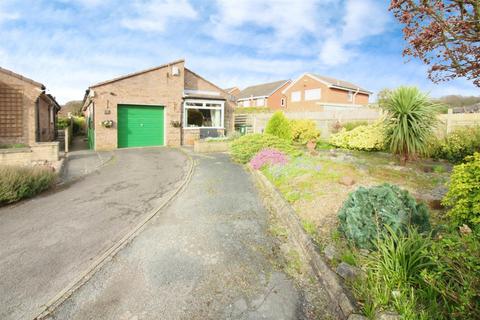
{"x": 268, "y": 157}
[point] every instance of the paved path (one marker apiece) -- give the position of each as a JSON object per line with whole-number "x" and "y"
{"x": 206, "y": 256}
{"x": 45, "y": 242}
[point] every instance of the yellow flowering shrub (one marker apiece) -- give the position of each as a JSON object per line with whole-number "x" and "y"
{"x": 367, "y": 138}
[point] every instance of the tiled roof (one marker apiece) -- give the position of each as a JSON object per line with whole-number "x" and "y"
{"x": 261, "y": 90}
{"x": 16, "y": 75}
{"x": 340, "y": 83}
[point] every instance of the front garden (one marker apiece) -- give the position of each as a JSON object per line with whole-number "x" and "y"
{"x": 390, "y": 201}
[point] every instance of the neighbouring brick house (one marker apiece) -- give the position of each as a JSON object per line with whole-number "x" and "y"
{"x": 166, "y": 105}
{"x": 234, "y": 91}
{"x": 265, "y": 95}
{"x": 313, "y": 92}
{"x": 27, "y": 113}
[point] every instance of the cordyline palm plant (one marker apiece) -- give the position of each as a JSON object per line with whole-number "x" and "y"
{"x": 409, "y": 121}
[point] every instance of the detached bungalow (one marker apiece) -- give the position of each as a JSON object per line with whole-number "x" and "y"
{"x": 267, "y": 95}
{"x": 166, "y": 105}
{"x": 27, "y": 113}
{"x": 314, "y": 92}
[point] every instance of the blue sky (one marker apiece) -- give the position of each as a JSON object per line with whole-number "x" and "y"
{"x": 70, "y": 44}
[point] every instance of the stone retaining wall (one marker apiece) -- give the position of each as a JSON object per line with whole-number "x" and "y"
{"x": 36, "y": 153}
{"x": 340, "y": 297}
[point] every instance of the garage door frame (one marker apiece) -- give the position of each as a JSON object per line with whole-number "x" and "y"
{"x": 159, "y": 106}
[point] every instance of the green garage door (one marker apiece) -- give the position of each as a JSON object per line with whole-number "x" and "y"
{"x": 140, "y": 126}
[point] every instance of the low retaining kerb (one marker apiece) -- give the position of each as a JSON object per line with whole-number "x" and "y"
{"x": 203, "y": 146}
{"x": 340, "y": 297}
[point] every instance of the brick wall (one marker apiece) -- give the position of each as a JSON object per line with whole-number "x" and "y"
{"x": 328, "y": 95}
{"x": 18, "y": 123}
{"x": 37, "y": 152}
{"x": 156, "y": 87}
{"x": 194, "y": 82}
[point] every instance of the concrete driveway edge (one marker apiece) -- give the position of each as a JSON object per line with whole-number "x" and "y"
{"x": 101, "y": 259}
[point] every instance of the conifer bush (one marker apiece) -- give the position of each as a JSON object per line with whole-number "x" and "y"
{"x": 367, "y": 212}
{"x": 279, "y": 126}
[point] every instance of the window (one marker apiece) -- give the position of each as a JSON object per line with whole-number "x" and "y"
{"x": 203, "y": 114}
{"x": 260, "y": 102}
{"x": 296, "y": 96}
{"x": 313, "y": 94}
{"x": 246, "y": 103}
{"x": 282, "y": 102}
{"x": 350, "y": 96}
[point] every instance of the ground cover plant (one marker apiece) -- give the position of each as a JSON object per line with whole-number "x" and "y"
{"x": 17, "y": 183}
{"x": 244, "y": 148}
{"x": 268, "y": 157}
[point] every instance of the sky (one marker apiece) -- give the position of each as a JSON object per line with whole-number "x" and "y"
{"x": 71, "y": 44}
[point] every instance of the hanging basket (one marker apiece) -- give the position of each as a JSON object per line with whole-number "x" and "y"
{"x": 107, "y": 123}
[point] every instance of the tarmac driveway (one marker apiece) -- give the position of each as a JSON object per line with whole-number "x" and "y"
{"x": 47, "y": 241}
{"x": 207, "y": 255}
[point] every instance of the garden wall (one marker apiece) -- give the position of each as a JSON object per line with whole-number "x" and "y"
{"x": 38, "y": 152}
{"x": 325, "y": 120}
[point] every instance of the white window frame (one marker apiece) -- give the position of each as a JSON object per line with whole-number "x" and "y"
{"x": 298, "y": 96}
{"x": 262, "y": 104}
{"x": 204, "y": 106}
{"x": 350, "y": 96}
{"x": 282, "y": 102}
{"x": 313, "y": 94}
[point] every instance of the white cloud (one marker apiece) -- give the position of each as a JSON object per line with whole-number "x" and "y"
{"x": 277, "y": 25}
{"x": 362, "y": 19}
{"x": 155, "y": 15}
{"x": 333, "y": 52}
{"x": 6, "y": 12}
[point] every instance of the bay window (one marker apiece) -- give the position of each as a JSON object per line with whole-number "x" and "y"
{"x": 203, "y": 114}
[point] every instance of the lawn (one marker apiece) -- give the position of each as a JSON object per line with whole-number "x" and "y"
{"x": 317, "y": 185}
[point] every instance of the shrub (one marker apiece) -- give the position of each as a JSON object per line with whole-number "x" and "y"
{"x": 368, "y": 211}
{"x": 79, "y": 125}
{"x": 459, "y": 144}
{"x": 392, "y": 271}
{"x": 62, "y": 123}
{"x": 268, "y": 156}
{"x": 409, "y": 122}
{"x": 463, "y": 195}
{"x": 454, "y": 276}
{"x": 367, "y": 138}
{"x": 244, "y": 148}
{"x": 349, "y": 126}
{"x": 423, "y": 278}
{"x": 22, "y": 182}
{"x": 279, "y": 126}
{"x": 304, "y": 131}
